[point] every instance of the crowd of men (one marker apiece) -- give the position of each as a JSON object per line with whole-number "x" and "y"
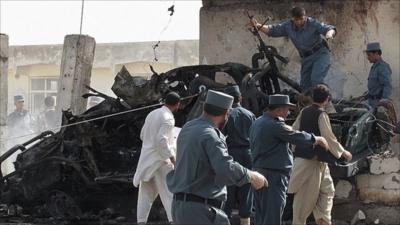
{"x": 227, "y": 156}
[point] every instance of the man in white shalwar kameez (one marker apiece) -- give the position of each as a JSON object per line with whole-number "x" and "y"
{"x": 311, "y": 181}
{"x": 157, "y": 158}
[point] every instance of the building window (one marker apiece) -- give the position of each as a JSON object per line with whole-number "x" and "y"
{"x": 40, "y": 88}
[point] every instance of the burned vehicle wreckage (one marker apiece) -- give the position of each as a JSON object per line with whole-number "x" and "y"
{"x": 87, "y": 167}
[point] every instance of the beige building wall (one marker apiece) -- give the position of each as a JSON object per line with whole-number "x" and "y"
{"x": 17, "y": 85}
{"x": 30, "y": 81}
{"x": 30, "y": 66}
{"x": 102, "y": 80}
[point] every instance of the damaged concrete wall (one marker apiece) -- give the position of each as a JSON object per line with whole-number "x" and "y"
{"x": 3, "y": 90}
{"x": 76, "y": 72}
{"x": 3, "y": 79}
{"x": 224, "y": 36}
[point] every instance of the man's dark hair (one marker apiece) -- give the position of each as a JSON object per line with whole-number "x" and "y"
{"x": 298, "y": 11}
{"x": 172, "y": 98}
{"x": 49, "y": 101}
{"x": 321, "y": 93}
{"x": 213, "y": 110}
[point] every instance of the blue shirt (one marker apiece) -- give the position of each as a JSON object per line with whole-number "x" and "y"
{"x": 203, "y": 165}
{"x": 379, "y": 80}
{"x": 269, "y": 143}
{"x": 238, "y": 127}
{"x": 304, "y": 38}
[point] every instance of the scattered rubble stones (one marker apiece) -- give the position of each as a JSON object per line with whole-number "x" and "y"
{"x": 343, "y": 189}
{"x": 389, "y": 197}
{"x": 378, "y": 192}
{"x": 358, "y": 217}
{"x": 382, "y": 185}
{"x": 386, "y": 181}
{"x": 387, "y": 215}
{"x": 380, "y": 165}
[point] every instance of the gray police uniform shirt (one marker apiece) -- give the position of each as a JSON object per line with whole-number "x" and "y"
{"x": 238, "y": 127}
{"x": 305, "y": 38}
{"x": 20, "y": 122}
{"x": 269, "y": 143}
{"x": 203, "y": 165}
{"x": 379, "y": 81}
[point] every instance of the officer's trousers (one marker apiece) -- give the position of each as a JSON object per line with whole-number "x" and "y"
{"x": 195, "y": 213}
{"x": 313, "y": 189}
{"x": 314, "y": 69}
{"x": 270, "y": 201}
{"x": 243, "y": 194}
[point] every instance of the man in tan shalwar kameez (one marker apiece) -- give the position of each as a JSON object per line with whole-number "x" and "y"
{"x": 311, "y": 182}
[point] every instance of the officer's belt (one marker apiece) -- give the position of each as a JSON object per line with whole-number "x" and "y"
{"x": 186, "y": 197}
{"x": 283, "y": 172}
{"x": 314, "y": 49}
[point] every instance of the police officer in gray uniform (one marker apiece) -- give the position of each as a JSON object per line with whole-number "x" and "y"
{"x": 272, "y": 157}
{"x": 20, "y": 122}
{"x": 379, "y": 79}
{"x": 305, "y": 33}
{"x": 204, "y": 167}
{"x": 237, "y": 138}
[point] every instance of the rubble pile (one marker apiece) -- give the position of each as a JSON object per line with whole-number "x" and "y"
{"x": 375, "y": 192}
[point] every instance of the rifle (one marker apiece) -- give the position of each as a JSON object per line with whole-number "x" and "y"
{"x": 270, "y": 53}
{"x": 267, "y": 50}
